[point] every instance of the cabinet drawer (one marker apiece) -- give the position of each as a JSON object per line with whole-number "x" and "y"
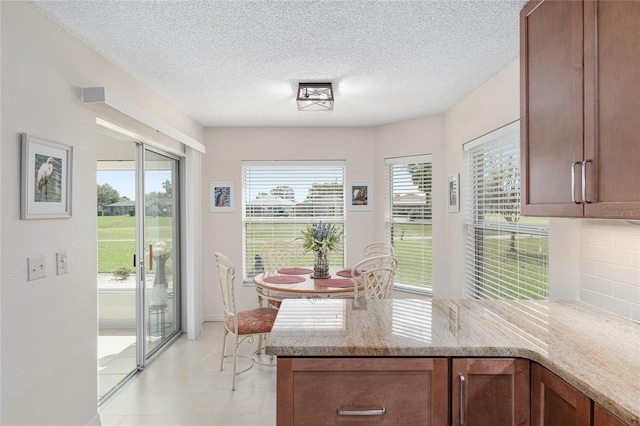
{"x": 377, "y": 391}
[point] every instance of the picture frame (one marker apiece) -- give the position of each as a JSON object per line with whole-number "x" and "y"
{"x": 45, "y": 179}
{"x": 360, "y": 195}
{"x": 222, "y": 197}
{"x": 453, "y": 202}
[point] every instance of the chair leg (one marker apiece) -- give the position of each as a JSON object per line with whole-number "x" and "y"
{"x": 259, "y": 351}
{"x": 235, "y": 362}
{"x": 224, "y": 346}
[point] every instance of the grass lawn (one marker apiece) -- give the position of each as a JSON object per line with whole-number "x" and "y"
{"x": 524, "y": 260}
{"x": 412, "y": 242}
{"x": 117, "y": 239}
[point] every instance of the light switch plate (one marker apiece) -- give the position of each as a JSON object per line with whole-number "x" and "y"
{"x": 37, "y": 268}
{"x": 61, "y": 262}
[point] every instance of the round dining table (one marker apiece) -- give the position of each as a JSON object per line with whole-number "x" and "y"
{"x": 290, "y": 283}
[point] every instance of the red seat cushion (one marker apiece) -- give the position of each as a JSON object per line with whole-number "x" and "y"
{"x": 275, "y": 303}
{"x": 254, "y": 321}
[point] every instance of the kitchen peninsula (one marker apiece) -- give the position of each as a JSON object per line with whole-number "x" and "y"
{"x": 592, "y": 353}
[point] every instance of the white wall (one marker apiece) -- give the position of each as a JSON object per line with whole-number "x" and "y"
{"x": 49, "y": 326}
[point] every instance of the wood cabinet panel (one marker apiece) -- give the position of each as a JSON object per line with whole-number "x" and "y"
{"x": 392, "y": 391}
{"x": 556, "y": 403}
{"x": 612, "y": 134}
{"x": 490, "y": 391}
{"x": 602, "y": 417}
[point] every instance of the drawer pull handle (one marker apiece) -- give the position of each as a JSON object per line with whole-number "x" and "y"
{"x": 584, "y": 180}
{"x": 573, "y": 182}
{"x": 461, "y": 399}
{"x": 375, "y": 412}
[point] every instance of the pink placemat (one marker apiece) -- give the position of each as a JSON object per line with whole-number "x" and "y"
{"x": 344, "y": 273}
{"x": 295, "y": 271}
{"x": 283, "y": 279}
{"x": 335, "y": 282}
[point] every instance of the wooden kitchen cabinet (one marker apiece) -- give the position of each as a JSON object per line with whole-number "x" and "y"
{"x": 556, "y": 403}
{"x": 380, "y": 391}
{"x": 580, "y": 67}
{"x": 602, "y": 417}
{"x": 490, "y": 391}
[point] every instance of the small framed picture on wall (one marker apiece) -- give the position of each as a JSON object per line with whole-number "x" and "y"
{"x": 359, "y": 196}
{"x": 453, "y": 204}
{"x": 46, "y": 179}
{"x": 222, "y": 197}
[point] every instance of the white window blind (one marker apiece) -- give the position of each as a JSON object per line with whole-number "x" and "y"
{"x": 281, "y": 198}
{"x": 506, "y": 255}
{"x": 409, "y": 212}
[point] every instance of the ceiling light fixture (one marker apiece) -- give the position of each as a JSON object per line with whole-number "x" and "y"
{"x": 315, "y": 97}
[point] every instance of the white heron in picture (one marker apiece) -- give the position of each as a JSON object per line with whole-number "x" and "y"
{"x": 44, "y": 173}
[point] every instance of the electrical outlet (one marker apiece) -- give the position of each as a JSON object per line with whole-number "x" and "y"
{"x": 61, "y": 262}
{"x": 37, "y": 268}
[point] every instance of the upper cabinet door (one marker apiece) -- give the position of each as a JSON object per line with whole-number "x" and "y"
{"x": 580, "y": 111}
{"x": 551, "y": 79}
{"x": 612, "y": 108}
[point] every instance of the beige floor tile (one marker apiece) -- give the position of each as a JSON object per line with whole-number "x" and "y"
{"x": 185, "y": 386}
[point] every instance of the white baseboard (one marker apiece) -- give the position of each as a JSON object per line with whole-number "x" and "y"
{"x": 214, "y": 318}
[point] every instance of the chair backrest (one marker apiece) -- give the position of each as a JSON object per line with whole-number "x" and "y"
{"x": 278, "y": 254}
{"x": 377, "y": 275}
{"x": 379, "y": 248}
{"x": 227, "y": 276}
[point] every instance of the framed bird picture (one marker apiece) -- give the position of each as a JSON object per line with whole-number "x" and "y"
{"x": 221, "y": 197}
{"x": 46, "y": 179}
{"x": 359, "y": 197}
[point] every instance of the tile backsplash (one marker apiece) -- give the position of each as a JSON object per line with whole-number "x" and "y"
{"x": 610, "y": 266}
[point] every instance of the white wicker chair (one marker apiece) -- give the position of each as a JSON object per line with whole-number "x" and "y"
{"x": 376, "y": 274}
{"x": 244, "y": 325}
{"x": 278, "y": 254}
{"x": 379, "y": 248}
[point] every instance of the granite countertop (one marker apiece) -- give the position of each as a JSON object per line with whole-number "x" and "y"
{"x": 596, "y": 352}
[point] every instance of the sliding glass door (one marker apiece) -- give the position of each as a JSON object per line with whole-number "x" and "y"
{"x": 117, "y": 282}
{"x": 161, "y": 247}
{"x": 138, "y": 256}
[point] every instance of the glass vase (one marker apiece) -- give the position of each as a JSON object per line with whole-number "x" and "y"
{"x": 321, "y": 264}
{"x": 160, "y": 279}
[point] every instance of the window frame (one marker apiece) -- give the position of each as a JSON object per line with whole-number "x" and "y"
{"x": 498, "y": 279}
{"x": 337, "y": 258}
{"x": 426, "y": 288}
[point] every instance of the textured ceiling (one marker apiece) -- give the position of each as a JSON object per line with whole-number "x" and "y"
{"x": 238, "y": 63}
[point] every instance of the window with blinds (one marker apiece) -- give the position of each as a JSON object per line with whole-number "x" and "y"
{"x": 506, "y": 255}
{"x": 409, "y": 219}
{"x": 281, "y": 198}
